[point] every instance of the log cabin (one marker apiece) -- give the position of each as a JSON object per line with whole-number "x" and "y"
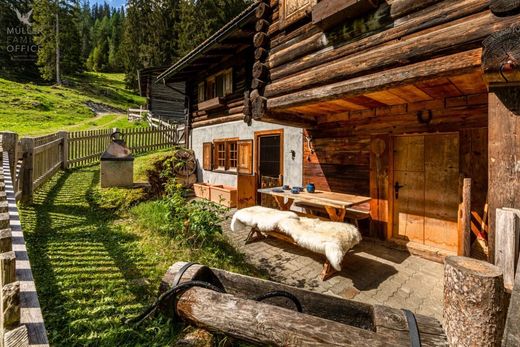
{"x": 230, "y": 151}
{"x": 163, "y": 100}
{"x": 398, "y": 100}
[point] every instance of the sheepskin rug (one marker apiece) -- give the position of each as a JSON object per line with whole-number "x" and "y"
{"x": 331, "y": 239}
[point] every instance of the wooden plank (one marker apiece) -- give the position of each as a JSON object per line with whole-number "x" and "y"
{"x": 454, "y": 64}
{"x": 504, "y": 151}
{"x": 328, "y": 13}
{"x": 512, "y": 330}
{"x": 464, "y": 228}
{"x": 507, "y": 239}
{"x": 331, "y": 199}
{"x": 409, "y": 202}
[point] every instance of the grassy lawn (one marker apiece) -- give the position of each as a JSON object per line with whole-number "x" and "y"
{"x": 31, "y": 109}
{"x": 93, "y": 266}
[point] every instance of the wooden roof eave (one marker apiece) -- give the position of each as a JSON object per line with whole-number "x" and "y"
{"x": 243, "y": 19}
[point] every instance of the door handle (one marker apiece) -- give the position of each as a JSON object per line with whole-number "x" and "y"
{"x": 397, "y": 188}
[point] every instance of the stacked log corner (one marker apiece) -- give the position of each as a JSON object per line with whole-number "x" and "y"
{"x": 260, "y": 73}
{"x": 474, "y": 302}
{"x": 10, "y": 293}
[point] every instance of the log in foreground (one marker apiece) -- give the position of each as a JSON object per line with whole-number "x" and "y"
{"x": 325, "y": 320}
{"x": 473, "y": 302}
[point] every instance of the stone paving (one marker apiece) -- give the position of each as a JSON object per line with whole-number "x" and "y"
{"x": 373, "y": 273}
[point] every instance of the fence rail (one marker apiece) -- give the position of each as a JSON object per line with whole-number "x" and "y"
{"x": 21, "y": 319}
{"x": 37, "y": 159}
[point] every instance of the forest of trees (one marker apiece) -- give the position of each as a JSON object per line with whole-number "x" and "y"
{"x": 142, "y": 34}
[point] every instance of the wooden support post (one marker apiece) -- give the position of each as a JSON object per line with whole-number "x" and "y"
{"x": 10, "y": 145}
{"x": 507, "y": 238}
{"x": 512, "y": 331}
{"x": 11, "y": 305}
{"x": 465, "y": 219}
{"x": 27, "y": 168}
{"x": 6, "y": 240}
{"x": 64, "y": 149}
{"x": 7, "y": 268}
{"x": 474, "y": 300}
{"x": 504, "y": 155}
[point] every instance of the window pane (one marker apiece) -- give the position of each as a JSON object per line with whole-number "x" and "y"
{"x": 233, "y": 155}
{"x": 220, "y": 85}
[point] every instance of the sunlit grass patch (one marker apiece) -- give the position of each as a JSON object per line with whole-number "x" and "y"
{"x": 93, "y": 267}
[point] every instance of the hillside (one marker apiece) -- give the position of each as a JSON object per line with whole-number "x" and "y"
{"x": 31, "y": 109}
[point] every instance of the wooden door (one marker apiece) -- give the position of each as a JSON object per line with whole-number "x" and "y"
{"x": 425, "y": 189}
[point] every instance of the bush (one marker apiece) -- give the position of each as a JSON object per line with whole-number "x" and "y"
{"x": 194, "y": 222}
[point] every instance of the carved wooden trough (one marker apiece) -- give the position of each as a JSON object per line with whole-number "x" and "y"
{"x": 324, "y": 320}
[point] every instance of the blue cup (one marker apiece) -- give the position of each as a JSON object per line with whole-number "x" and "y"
{"x": 295, "y": 191}
{"x": 311, "y": 188}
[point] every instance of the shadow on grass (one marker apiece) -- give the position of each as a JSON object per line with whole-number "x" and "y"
{"x": 88, "y": 271}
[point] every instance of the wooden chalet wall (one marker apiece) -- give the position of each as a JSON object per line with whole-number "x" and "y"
{"x": 233, "y": 109}
{"x": 376, "y": 70}
{"x": 165, "y": 100}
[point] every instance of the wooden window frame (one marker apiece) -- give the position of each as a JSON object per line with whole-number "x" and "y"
{"x": 210, "y": 89}
{"x": 217, "y": 159}
{"x": 259, "y": 134}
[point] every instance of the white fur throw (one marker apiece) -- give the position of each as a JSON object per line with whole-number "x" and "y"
{"x": 262, "y": 218}
{"x": 331, "y": 239}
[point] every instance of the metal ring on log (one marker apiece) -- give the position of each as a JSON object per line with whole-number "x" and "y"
{"x": 415, "y": 337}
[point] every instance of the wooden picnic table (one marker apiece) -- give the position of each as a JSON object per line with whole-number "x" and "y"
{"x": 336, "y": 204}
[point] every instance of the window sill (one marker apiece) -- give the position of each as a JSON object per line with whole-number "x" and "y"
{"x": 229, "y": 172}
{"x": 211, "y": 104}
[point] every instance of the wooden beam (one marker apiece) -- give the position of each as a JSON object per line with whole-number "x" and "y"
{"x": 288, "y": 119}
{"x": 501, "y": 57}
{"x": 401, "y": 8}
{"x": 504, "y": 7}
{"x": 329, "y": 13}
{"x": 417, "y": 47}
{"x": 507, "y": 241}
{"x": 464, "y": 225}
{"x": 512, "y": 330}
{"x": 449, "y": 65}
{"x": 504, "y": 154}
{"x": 444, "y": 12}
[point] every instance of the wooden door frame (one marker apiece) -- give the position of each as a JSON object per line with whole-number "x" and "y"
{"x": 391, "y": 193}
{"x": 256, "y": 155}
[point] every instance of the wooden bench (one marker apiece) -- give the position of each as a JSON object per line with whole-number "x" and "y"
{"x": 256, "y": 235}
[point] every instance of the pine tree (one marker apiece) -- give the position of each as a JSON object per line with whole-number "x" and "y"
{"x": 45, "y": 12}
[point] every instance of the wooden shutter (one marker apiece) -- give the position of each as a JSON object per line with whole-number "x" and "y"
{"x": 245, "y": 157}
{"x": 207, "y": 154}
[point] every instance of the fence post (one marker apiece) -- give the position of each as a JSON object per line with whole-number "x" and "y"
{"x": 28, "y": 165}
{"x": 9, "y": 144}
{"x": 65, "y": 149}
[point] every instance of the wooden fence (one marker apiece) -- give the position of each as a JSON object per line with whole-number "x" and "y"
{"x": 18, "y": 298}
{"x": 37, "y": 159}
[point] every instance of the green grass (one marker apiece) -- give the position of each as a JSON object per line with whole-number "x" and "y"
{"x": 31, "y": 109}
{"x": 93, "y": 267}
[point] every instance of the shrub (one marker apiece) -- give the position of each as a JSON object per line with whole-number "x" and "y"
{"x": 195, "y": 222}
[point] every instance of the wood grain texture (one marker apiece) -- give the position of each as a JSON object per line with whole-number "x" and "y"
{"x": 473, "y": 299}
{"x": 504, "y": 151}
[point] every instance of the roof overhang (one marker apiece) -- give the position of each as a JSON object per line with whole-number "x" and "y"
{"x": 223, "y": 44}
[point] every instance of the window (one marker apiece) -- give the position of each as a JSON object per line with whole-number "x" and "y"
{"x": 221, "y": 155}
{"x": 218, "y": 85}
{"x": 201, "y": 92}
{"x": 232, "y": 151}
